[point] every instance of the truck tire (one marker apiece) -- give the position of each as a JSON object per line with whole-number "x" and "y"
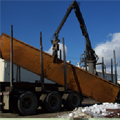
{"x": 74, "y": 99}
{"x": 52, "y": 102}
{"x": 27, "y": 103}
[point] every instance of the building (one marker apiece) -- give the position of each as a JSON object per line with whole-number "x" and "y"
{"x": 25, "y": 75}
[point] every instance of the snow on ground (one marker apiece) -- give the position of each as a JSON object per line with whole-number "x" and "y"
{"x": 96, "y": 111}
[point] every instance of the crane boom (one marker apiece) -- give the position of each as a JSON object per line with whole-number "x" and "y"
{"x": 91, "y": 56}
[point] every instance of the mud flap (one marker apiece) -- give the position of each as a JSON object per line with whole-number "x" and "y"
{"x": 6, "y": 97}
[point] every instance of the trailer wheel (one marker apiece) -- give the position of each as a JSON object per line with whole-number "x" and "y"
{"x": 27, "y": 103}
{"x": 73, "y": 100}
{"x": 52, "y": 102}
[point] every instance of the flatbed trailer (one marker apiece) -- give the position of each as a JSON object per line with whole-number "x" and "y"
{"x": 28, "y": 96}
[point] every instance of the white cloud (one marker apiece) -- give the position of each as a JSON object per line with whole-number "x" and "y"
{"x": 50, "y": 51}
{"x": 106, "y": 50}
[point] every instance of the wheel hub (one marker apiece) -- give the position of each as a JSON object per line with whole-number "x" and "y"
{"x": 26, "y": 103}
{"x": 53, "y": 101}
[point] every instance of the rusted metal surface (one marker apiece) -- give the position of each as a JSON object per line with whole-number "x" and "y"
{"x": 79, "y": 80}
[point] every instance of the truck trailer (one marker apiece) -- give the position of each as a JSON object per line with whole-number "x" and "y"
{"x": 25, "y": 97}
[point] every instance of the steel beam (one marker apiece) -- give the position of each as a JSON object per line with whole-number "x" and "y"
{"x": 111, "y": 70}
{"x": 103, "y": 74}
{"x": 115, "y": 81}
{"x": 65, "y": 76}
{"x": 41, "y": 60}
{"x": 11, "y": 58}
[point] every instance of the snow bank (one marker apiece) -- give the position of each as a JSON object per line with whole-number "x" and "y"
{"x": 93, "y": 111}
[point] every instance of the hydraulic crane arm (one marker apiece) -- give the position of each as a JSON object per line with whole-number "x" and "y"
{"x": 64, "y": 19}
{"x": 91, "y": 56}
{"x": 74, "y": 6}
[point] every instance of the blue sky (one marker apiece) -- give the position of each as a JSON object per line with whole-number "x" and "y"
{"x": 102, "y": 19}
